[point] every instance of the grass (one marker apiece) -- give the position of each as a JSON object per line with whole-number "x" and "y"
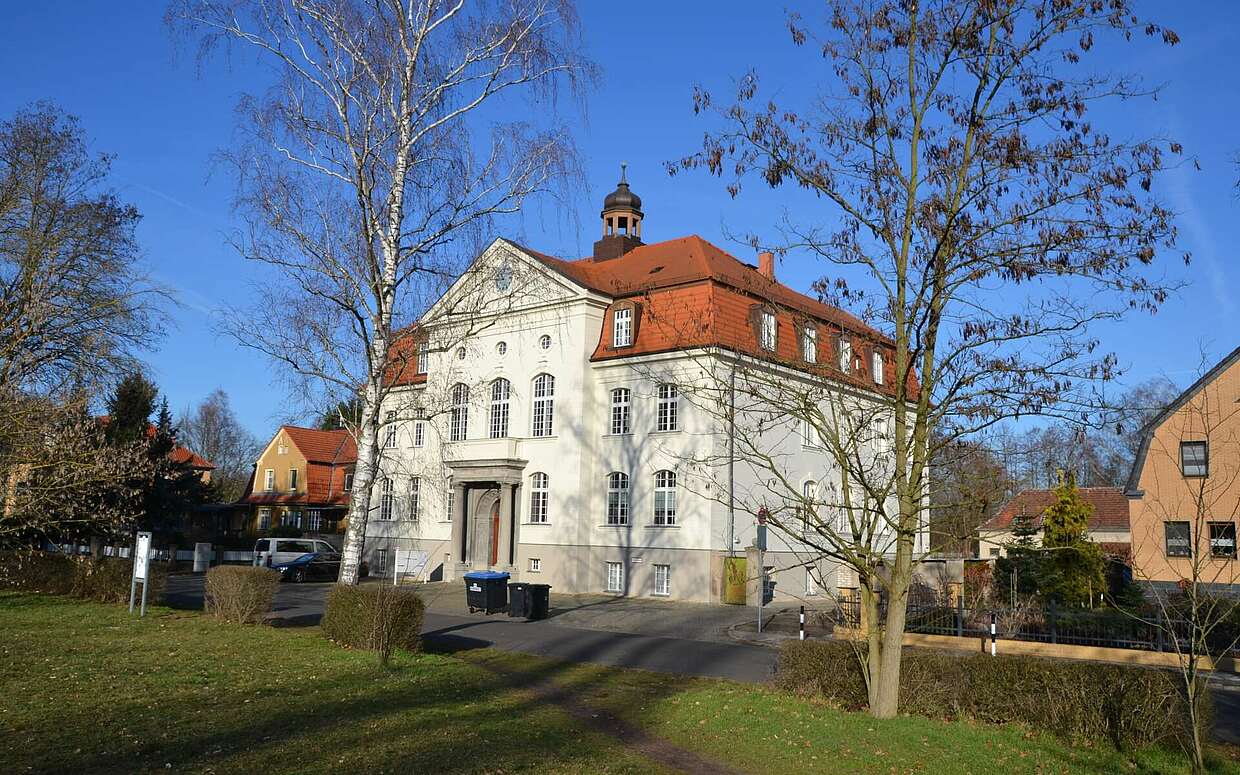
{"x": 85, "y": 687}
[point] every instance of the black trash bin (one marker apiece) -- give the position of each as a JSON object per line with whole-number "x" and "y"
{"x": 486, "y": 590}
{"x": 518, "y": 599}
{"x": 538, "y": 597}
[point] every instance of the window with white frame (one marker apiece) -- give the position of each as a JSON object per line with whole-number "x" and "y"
{"x": 539, "y": 495}
{"x": 543, "y": 409}
{"x": 424, "y": 357}
{"x": 622, "y": 327}
{"x": 768, "y": 330}
{"x": 544, "y": 342}
{"x": 809, "y": 434}
{"x": 419, "y": 434}
{"x": 617, "y": 498}
{"x": 667, "y": 416}
{"x": 316, "y": 520}
{"x": 620, "y": 403}
{"x": 460, "y": 353}
{"x": 663, "y": 580}
{"x": 264, "y": 519}
{"x": 809, "y": 507}
{"x": 269, "y": 480}
{"x": 809, "y": 344}
{"x": 389, "y": 430}
{"x": 500, "y": 390}
{"x": 877, "y": 367}
{"x": 381, "y": 560}
{"x": 348, "y": 481}
{"x": 415, "y": 498}
{"x": 535, "y": 565}
{"x": 846, "y": 355}
{"x": 615, "y": 577}
{"x": 878, "y": 435}
{"x": 1195, "y": 458}
{"x": 665, "y": 498}
{"x": 450, "y": 504}
{"x": 385, "y": 499}
{"x": 458, "y": 421}
{"x": 292, "y": 480}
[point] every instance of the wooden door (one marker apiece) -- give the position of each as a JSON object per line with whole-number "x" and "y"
{"x": 495, "y": 534}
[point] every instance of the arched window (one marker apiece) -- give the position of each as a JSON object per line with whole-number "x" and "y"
{"x": 665, "y": 498}
{"x": 500, "y": 389}
{"x": 538, "y": 498}
{"x": 620, "y": 403}
{"x": 809, "y": 507}
{"x": 667, "y": 416}
{"x": 617, "y": 499}
{"x": 458, "y": 428}
{"x": 544, "y": 405}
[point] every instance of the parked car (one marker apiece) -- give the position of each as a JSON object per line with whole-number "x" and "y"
{"x": 270, "y": 552}
{"x": 316, "y": 566}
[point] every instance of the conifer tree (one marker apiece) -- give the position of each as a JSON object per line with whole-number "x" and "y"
{"x": 1072, "y": 568}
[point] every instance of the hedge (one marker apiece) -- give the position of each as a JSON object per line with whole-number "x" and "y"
{"x": 239, "y": 593}
{"x": 105, "y": 580}
{"x": 375, "y": 617}
{"x": 1129, "y": 707}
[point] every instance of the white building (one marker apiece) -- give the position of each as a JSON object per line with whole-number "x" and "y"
{"x": 549, "y": 421}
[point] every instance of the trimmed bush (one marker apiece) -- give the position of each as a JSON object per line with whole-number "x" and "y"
{"x": 104, "y": 580}
{"x": 239, "y": 593}
{"x": 375, "y": 617}
{"x": 1129, "y": 707}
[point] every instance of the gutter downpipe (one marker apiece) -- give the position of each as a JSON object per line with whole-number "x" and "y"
{"x": 732, "y": 462}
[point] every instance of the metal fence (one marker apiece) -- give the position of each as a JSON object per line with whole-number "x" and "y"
{"x": 1107, "y": 628}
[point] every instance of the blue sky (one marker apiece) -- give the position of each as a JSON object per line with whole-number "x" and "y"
{"x": 115, "y": 66}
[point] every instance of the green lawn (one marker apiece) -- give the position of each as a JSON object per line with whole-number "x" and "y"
{"x": 86, "y": 688}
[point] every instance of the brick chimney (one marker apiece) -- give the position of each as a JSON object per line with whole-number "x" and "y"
{"x": 766, "y": 264}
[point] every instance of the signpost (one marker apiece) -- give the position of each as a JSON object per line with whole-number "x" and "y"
{"x": 760, "y": 543}
{"x": 141, "y": 570}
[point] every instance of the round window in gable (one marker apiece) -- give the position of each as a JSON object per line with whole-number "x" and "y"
{"x": 460, "y": 353}
{"x": 501, "y": 348}
{"x": 544, "y": 341}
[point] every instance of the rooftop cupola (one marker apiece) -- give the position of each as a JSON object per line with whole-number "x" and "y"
{"x": 622, "y": 221}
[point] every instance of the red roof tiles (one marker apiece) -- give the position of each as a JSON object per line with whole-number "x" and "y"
{"x": 1110, "y": 508}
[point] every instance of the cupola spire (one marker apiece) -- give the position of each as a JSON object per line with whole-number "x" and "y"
{"x": 622, "y": 220}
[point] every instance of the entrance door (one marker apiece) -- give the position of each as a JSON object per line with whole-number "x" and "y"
{"x": 495, "y": 534}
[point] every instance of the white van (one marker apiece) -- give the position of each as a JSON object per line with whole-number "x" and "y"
{"x": 273, "y": 551}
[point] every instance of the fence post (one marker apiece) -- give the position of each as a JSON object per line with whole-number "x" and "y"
{"x": 1051, "y": 617}
{"x": 992, "y": 634}
{"x": 960, "y": 616}
{"x": 1159, "y": 635}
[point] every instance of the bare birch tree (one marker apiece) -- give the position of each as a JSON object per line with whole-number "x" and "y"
{"x": 966, "y": 205}
{"x": 394, "y": 134}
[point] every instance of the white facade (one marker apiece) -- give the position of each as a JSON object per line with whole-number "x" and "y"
{"x": 481, "y": 501}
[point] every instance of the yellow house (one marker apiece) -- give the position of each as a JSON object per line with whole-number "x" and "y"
{"x": 302, "y": 480}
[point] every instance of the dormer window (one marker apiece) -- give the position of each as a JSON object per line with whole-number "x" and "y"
{"x": 768, "y": 330}
{"x": 877, "y": 366}
{"x": 809, "y": 343}
{"x": 622, "y": 327}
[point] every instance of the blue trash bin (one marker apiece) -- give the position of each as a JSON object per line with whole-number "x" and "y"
{"x": 486, "y": 590}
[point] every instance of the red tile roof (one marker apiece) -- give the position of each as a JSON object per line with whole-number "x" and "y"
{"x": 1110, "y": 508}
{"x": 323, "y": 446}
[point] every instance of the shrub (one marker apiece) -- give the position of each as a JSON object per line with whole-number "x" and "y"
{"x": 45, "y": 572}
{"x": 376, "y": 617}
{"x": 240, "y": 593}
{"x": 1129, "y": 707}
{"x": 105, "y": 580}
{"x": 108, "y": 580}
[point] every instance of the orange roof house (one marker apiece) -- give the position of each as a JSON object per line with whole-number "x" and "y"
{"x": 302, "y": 479}
{"x": 1108, "y": 525}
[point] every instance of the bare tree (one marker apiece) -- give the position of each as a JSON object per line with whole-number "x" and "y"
{"x": 395, "y": 132}
{"x": 969, "y": 208}
{"x": 213, "y": 431}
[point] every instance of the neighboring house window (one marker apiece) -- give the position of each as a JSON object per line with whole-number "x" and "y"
{"x": 615, "y": 577}
{"x": 292, "y": 480}
{"x": 663, "y": 580}
{"x": 1179, "y": 539}
{"x": 768, "y": 330}
{"x": 264, "y": 519}
{"x": 458, "y": 426}
{"x": 994, "y": 551}
{"x": 665, "y": 498}
{"x": 385, "y": 500}
{"x": 544, "y": 405}
{"x": 535, "y": 565}
{"x": 316, "y": 520}
{"x": 617, "y": 499}
{"x": 270, "y": 480}
{"x": 846, "y": 355}
{"x": 424, "y": 357}
{"x": 538, "y": 498}
{"x": 1195, "y": 458}
{"x": 294, "y": 518}
{"x": 809, "y": 344}
{"x": 419, "y": 434}
{"x": 622, "y": 328}
{"x": 667, "y": 416}
{"x": 544, "y": 342}
{"x": 809, "y": 507}
{"x": 389, "y": 430}
{"x": 1223, "y": 539}
{"x": 620, "y": 410}
{"x": 500, "y": 390}
{"x": 348, "y": 482}
{"x": 415, "y": 498}
{"x": 877, "y": 367}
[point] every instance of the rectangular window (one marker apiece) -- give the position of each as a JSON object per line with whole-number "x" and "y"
{"x": 535, "y": 565}
{"x": 769, "y": 330}
{"x": 385, "y": 500}
{"x": 876, "y": 367}
{"x": 424, "y": 357}
{"x": 419, "y": 434}
{"x": 316, "y": 520}
{"x": 270, "y": 480}
{"x": 620, "y": 404}
{"x": 667, "y": 416}
{"x": 294, "y": 518}
{"x": 617, "y": 499}
{"x": 415, "y": 498}
{"x": 1179, "y": 539}
{"x": 809, "y": 434}
{"x": 1195, "y": 458}
{"x": 663, "y": 580}
{"x": 665, "y": 498}
{"x": 622, "y": 328}
{"x": 381, "y": 560}
{"x": 451, "y": 501}
{"x": 878, "y": 435}
{"x": 809, "y": 344}
{"x": 544, "y": 405}
{"x": 538, "y": 498}
{"x": 615, "y": 577}
{"x": 1223, "y": 539}
{"x": 389, "y": 430}
{"x": 348, "y": 482}
{"x": 292, "y": 480}
{"x": 846, "y": 356}
{"x": 264, "y": 519}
